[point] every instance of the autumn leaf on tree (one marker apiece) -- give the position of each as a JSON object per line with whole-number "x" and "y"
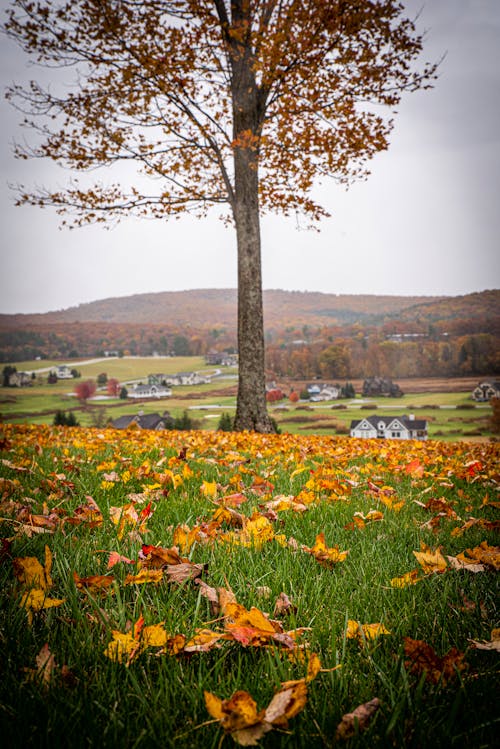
{"x": 422, "y": 659}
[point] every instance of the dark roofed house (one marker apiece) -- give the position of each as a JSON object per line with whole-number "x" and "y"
{"x": 485, "y": 391}
{"x": 389, "y": 427}
{"x": 143, "y": 421}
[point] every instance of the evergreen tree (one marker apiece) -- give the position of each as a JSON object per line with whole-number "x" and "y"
{"x": 225, "y": 423}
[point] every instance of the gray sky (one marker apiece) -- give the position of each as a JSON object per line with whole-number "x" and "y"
{"x": 427, "y": 221}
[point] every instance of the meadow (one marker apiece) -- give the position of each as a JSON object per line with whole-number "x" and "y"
{"x": 207, "y": 589}
{"x": 449, "y": 410}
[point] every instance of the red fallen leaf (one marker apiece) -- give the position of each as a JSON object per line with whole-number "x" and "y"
{"x": 415, "y": 468}
{"x": 146, "y": 512}
{"x": 115, "y": 558}
{"x": 232, "y": 500}
{"x": 422, "y": 658}
{"x": 358, "y": 720}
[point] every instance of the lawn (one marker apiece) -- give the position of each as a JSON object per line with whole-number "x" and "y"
{"x": 197, "y": 589}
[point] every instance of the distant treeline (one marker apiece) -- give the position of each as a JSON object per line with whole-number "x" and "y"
{"x": 397, "y": 348}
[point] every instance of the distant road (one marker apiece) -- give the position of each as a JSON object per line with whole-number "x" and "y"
{"x": 79, "y": 363}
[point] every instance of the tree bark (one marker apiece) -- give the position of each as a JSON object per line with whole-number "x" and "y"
{"x": 251, "y": 411}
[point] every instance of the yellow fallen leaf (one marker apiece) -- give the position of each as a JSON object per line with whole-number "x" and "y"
{"x": 409, "y": 578}
{"x": 431, "y": 560}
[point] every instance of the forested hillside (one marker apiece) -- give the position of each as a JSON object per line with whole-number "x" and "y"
{"x": 308, "y": 334}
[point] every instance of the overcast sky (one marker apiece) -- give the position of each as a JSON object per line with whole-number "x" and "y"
{"x": 427, "y": 221}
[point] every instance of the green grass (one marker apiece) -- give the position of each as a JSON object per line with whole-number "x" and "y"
{"x": 157, "y": 701}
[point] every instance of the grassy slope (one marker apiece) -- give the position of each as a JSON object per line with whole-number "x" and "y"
{"x": 157, "y": 701}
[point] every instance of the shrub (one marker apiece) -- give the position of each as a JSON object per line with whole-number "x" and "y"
{"x": 63, "y": 420}
{"x": 225, "y": 423}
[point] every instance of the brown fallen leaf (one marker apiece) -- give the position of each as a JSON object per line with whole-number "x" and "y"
{"x": 240, "y": 717}
{"x": 493, "y": 644}
{"x": 461, "y": 564}
{"x": 422, "y": 658}
{"x": 357, "y": 721}
{"x": 45, "y": 664}
{"x": 93, "y": 583}
{"x": 179, "y": 573}
{"x": 284, "y": 605}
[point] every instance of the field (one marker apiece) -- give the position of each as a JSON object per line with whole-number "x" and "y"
{"x": 445, "y": 403}
{"x": 197, "y": 589}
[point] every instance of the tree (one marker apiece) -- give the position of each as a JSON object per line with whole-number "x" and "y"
{"x": 494, "y": 421}
{"x": 225, "y": 423}
{"x": 242, "y": 103}
{"x": 123, "y": 393}
{"x": 65, "y": 420}
{"x": 113, "y": 387}
{"x": 102, "y": 379}
{"x": 85, "y": 390}
{"x": 7, "y": 371}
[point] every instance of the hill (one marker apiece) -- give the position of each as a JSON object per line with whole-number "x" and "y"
{"x": 202, "y": 307}
{"x": 395, "y": 336}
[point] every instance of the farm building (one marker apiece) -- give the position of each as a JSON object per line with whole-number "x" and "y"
{"x": 389, "y": 427}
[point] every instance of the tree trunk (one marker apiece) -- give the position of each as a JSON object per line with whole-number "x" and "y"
{"x": 251, "y": 411}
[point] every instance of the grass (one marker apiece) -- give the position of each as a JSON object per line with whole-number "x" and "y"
{"x": 157, "y": 700}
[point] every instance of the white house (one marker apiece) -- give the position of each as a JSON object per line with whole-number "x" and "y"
{"x": 20, "y": 379}
{"x": 63, "y": 372}
{"x": 181, "y": 378}
{"x": 389, "y": 427}
{"x": 327, "y": 393}
{"x": 149, "y": 391}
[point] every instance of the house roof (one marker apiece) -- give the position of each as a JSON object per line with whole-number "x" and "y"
{"x": 122, "y": 422}
{"x": 144, "y": 421}
{"x": 405, "y": 421}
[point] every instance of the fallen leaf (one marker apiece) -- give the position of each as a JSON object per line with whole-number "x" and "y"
{"x": 493, "y": 644}
{"x": 422, "y": 658}
{"x": 357, "y": 721}
{"x": 365, "y": 631}
{"x": 409, "y": 578}
{"x": 431, "y": 560}
{"x": 323, "y": 554}
{"x": 284, "y": 606}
